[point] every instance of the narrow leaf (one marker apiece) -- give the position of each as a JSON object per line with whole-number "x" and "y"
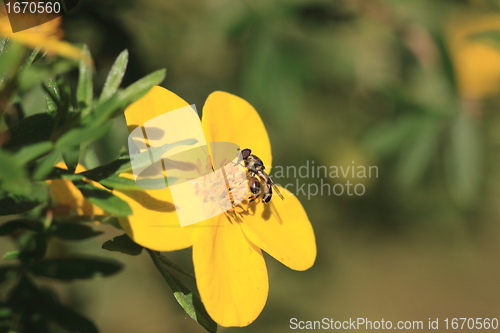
{"x": 71, "y": 157}
{"x": 46, "y": 165}
{"x": 13, "y": 176}
{"x": 123, "y": 244}
{"x": 7, "y": 272}
{"x": 465, "y": 160}
{"x": 103, "y": 199}
{"x": 65, "y": 316}
{"x": 73, "y": 231}
{"x": 30, "y": 130}
{"x": 187, "y": 300}
{"x": 32, "y": 152}
{"x": 11, "y": 255}
{"x": 76, "y": 136}
{"x": 76, "y": 268}
{"x": 139, "y": 88}
{"x": 14, "y": 225}
{"x": 37, "y": 73}
{"x": 115, "y": 76}
{"x": 120, "y": 183}
{"x": 84, "y": 92}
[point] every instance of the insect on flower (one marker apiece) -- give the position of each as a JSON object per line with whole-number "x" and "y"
{"x": 257, "y": 177}
{"x": 229, "y": 265}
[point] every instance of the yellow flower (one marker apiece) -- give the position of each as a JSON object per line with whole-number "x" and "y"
{"x": 229, "y": 266}
{"x": 68, "y": 197}
{"x": 46, "y": 36}
{"x": 477, "y": 63}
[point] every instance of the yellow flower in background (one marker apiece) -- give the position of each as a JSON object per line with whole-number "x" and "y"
{"x": 45, "y": 36}
{"x": 68, "y": 197}
{"x": 476, "y": 62}
{"x": 229, "y": 266}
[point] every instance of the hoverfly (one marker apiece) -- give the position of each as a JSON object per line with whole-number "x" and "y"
{"x": 258, "y": 179}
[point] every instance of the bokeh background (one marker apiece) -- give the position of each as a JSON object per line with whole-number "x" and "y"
{"x": 411, "y": 87}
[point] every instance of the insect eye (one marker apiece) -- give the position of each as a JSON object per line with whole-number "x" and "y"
{"x": 245, "y": 153}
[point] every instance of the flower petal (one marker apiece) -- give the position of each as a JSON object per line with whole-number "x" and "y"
{"x": 231, "y": 274}
{"x": 44, "y": 36}
{"x": 229, "y": 118}
{"x": 154, "y": 223}
{"x": 162, "y": 118}
{"x": 282, "y": 229}
{"x": 156, "y": 102}
{"x": 66, "y": 194}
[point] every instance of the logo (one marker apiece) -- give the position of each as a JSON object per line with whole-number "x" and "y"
{"x": 28, "y": 14}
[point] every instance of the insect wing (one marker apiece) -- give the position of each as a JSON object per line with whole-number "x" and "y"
{"x": 277, "y": 191}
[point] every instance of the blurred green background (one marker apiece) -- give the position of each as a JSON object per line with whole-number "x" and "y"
{"x": 411, "y": 87}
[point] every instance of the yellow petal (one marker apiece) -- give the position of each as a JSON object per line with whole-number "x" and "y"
{"x": 476, "y": 61}
{"x": 159, "y": 124}
{"x": 282, "y": 229}
{"x": 231, "y": 274}
{"x": 229, "y": 118}
{"x": 154, "y": 223}
{"x": 66, "y": 194}
{"x": 44, "y": 36}
{"x": 51, "y": 45}
{"x": 155, "y": 103}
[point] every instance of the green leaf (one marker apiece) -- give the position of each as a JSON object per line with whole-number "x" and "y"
{"x": 115, "y": 76}
{"x": 14, "y": 204}
{"x": 110, "y": 107}
{"x": 58, "y": 173}
{"x": 46, "y": 165}
{"x": 103, "y": 199}
{"x": 34, "y": 129}
{"x": 11, "y": 255}
{"x": 13, "y": 176}
{"x": 63, "y": 98}
{"x": 490, "y": 36}
{"x": 187, "y": 300}
{"x": 446, "y": 61}
{"x": 146, "y": 158}
{"x": 105, "y": 219}
{"x": 169, "y": 263}
{"x": 73, "y": 231}
{"x": 42, "y": 70}
{"x": 76, "y": 267}
{"x": 64, "y": 316}
{"x": 123, "y": 244}
{"x": 417, "y": 156}
{"x": 388, "y": 138}
{"x": 8, "y": 272}
{"x": 35, "y": 55}
{"x": 139, "y": 88}
{"x": 11, "y": 226}
{"x": 120, "y": 183}
{"x": 105, "y": 172}
{"x": 103, "y": 111}
{"x": 26, "y": 295}
{"x": 76, "y": 136}
{"x": 33, "y": 245}
{"x": 71, "y": 157}
{"x": 10, "y": 59}
{"x": 32, "y": 152}
{"x": 84, "y": 91}
{"x": 464, "y": 163}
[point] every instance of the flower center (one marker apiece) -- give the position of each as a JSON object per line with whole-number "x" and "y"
{"x": 226, "y": 190}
